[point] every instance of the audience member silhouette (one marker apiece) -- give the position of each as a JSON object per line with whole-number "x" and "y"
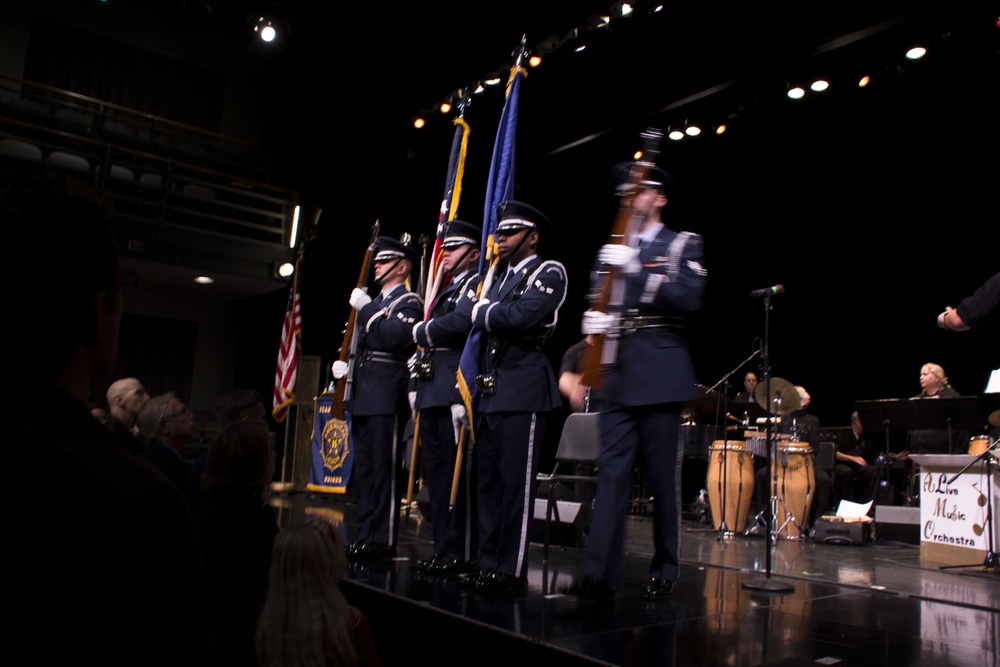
{"x": 307, "y": 620}
{"x": 110, "y": 574}
{"x": 237, "y": 529}
{"x": 126, "y": 398}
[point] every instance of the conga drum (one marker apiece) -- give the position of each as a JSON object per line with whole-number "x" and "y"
{"x": 796, "y": 485}
{"x": 730, "y": 474}
{"x": 978, "y": 444}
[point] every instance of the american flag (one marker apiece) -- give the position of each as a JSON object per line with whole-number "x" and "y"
{"x": 288, "y": 353}
{"x": 449, "y": 208}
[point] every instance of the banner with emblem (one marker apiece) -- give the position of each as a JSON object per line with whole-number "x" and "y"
{"x": 332, "y": 449}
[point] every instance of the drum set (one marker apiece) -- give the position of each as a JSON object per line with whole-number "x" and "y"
{"x": 731, "y": 469}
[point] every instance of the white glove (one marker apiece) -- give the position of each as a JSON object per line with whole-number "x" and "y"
{"x": 359, "y": 298}
{"x": 620, "y": 256}
{"x": 339, "y": 369}
{"x": 414, "y": 334}
{"x": 596, "y": 323}
{"x": 479, "y": 304}
{"x": 412, "y": 396}
{"x": 459, "y": 418}
{"x": 411, "y": 363}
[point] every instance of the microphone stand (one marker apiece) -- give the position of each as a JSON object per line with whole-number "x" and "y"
{"x": 767, "y": 584}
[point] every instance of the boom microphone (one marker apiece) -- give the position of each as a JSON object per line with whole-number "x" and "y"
{"x": 768, "y": 291}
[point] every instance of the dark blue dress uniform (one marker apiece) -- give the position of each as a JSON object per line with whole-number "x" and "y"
{"x": 645, "y": 391}
{"x": 378, "y": 406}
{"x": 441, "y": 339}
{"x": 510, "y": 429}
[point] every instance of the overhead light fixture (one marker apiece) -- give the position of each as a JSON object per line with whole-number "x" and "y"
{"x": 796, "y": 93}
{"x": 204, "y": 280}
{"x": 864, "y": 81}
{"x": 445, "y": 107}
{"x": 692, "y": 130}
{"x": 285, "y": 270}
{"x": 535, "y": 61}
{"x": 819, "y": 85}
{"x": 916, "y": 53}
{"x": 721, "y": 129}
{"x": 293, "y": 237}
{"x": 265, "y": 29}
{"x": 418, "y": 122}
{"x": 676, "y": 135}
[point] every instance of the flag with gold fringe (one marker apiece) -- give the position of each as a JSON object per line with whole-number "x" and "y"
{"x": 499, "y": 188}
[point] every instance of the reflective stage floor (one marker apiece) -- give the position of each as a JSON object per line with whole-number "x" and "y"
{"x": 876, "y": 604}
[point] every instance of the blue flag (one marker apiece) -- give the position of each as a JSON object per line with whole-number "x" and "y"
{"x": 499, "y": 188}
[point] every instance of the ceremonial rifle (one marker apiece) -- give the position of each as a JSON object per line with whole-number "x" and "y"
{"x": 349, "y": 346}
{"x": 609, "y": 291}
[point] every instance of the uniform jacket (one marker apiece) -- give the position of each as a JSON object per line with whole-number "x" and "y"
{"x": 442, "y": 338}
{"x": 520, "y": 316}
{"x": 653, "y": 365}
{"x": 380, "y": 372}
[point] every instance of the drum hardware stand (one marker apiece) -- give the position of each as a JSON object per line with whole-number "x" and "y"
{"x": 992, "y": 561}
{"x": 767, "y": 584}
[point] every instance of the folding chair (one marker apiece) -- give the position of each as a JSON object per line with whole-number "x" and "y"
{"x": 579, "y": 443}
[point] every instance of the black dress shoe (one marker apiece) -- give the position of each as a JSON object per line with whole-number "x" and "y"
{"x": 499, "y": 582}
{"x": 591, "y": 593}
{"x": 473, "y": 579}
{"x": 427, "y": 564}
{"x": 376, "y": 551}
{"x": 447, "y": 566}
{"x": 659, "y": 589}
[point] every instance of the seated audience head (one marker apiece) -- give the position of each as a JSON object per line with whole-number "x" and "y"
{"x": 58, "y": 239}
{"x": 166, "y": 418}
{"x": 241, "y": 456}
{"x": 126, "y": 398}
{"x": 306, "y": 619}
{"x": 238, "y": 405}
{"x": 804, "y": 398}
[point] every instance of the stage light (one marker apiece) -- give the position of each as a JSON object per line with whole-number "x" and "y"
{"x": 445, "y": 107}
{"x": 285, "y": 269}
{"x": 204, "y": 280}
{"x": 692, "y": 130}
{"x": 676, "y": 135}
{"x": 864, "y": 81}
{"x": 418, "y": 123}
{"x": 819, "y": 86}
{"x": 721, "y": 129}
{"x": 493, "y": 80}
{"x": 293, "y": 237}
{"x": 535, "y": 61}
{"x": 916, "y": 53}
{"x": 796, "y": 93}
{"x": 265, "y": 29}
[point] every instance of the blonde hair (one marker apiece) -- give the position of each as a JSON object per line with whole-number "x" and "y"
{"x": 936, "y": 371}
{"x": 306, "y": 620}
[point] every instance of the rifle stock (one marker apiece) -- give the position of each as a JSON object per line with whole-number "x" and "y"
{"x": 346, "y": 351}
{"x": 600, "y": 354}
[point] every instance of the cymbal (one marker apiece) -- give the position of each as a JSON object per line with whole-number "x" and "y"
{"x": 784, "y": 390}
{"x": 994, "y": 418}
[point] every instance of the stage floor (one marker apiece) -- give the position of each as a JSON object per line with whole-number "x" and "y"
{"x": 877, "y": 604}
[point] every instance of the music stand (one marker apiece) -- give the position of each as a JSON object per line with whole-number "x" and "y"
{"x": 949, "y": 414}
{"x": 874, "y": 417}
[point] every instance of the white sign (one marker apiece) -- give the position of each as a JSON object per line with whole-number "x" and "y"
{"x": 954, "y": 510}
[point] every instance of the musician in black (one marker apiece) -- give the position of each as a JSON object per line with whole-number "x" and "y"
{"x": 378, "y": 399}
{"x": 440, "y": 339}
{"x": 647, "y": 386}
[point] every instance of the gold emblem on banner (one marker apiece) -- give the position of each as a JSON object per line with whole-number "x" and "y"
{"x": 334, "y": 443}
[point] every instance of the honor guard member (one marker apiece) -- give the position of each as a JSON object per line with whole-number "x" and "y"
{"x": 645, "y": 388}
{"x": 378, "y": 397}
{"x": 517, "y": 391}
{"x": 440, "y": 340}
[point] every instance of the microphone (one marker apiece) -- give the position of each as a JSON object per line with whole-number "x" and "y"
{"x": 768, "y": 291}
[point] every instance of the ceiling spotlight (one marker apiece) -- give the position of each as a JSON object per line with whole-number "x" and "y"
{"x": 796, "y": 93}
{"x": 721, "y": 129}
{"x": 676, "y": 135}
{"x": 864, "y": 81}
{"x": 286, "y": 269}
{"x": 535, "y": 61}
{"x": 692, "y": 130}
{"x": 580, "y": 48}
{"x": 418, "y": 122}
{"x": 819, "y": 86}
{"x": 916, "y": 53}
{"x": 445, "y": 107}
{"x": 493, "y": 80}
{"x": 265, "y": 29}
{"x": 204, "y": 280}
